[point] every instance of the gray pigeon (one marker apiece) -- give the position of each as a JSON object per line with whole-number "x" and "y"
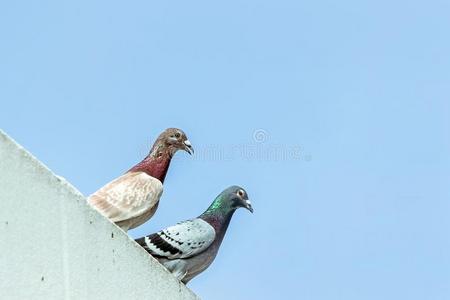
{"x": 188, "y": 248}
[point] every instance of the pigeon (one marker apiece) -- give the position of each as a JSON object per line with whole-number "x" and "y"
{"x": 188, "y": 248}
{"x": 131, "y": 199}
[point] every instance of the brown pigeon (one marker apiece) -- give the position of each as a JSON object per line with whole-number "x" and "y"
{"x": 132, "y": 199}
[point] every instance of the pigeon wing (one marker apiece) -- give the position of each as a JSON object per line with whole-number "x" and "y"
{"x": 129, "y": 196}
{"x": 183, "y": 240}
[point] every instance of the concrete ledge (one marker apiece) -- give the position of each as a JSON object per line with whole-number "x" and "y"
{"x": 53, "y": 245}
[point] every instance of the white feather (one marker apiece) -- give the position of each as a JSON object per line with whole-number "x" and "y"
{"x": 128, "y": 198}
{"x": 189, "y": 237}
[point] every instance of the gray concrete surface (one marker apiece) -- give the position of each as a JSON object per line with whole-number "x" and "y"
{"x": 55, "y": 246}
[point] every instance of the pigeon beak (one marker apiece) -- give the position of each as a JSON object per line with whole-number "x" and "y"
{"x": 188, "y": 147}
{"x": 248, "y": 205}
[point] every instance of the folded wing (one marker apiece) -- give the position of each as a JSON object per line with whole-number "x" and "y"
{"x": 183, "y": 240}
{"x": 129, "y": 196}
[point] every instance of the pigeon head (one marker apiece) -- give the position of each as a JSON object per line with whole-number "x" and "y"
{"x": 157, "y": 162}
{"x": 170, "y": 141}
{"x": 229, "y": 200}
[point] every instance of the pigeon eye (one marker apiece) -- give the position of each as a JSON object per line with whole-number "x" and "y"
{"x": 177, "y": 135}
{"x": 241, "y": 193}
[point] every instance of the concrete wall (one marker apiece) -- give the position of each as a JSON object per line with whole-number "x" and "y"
{"x": 54, "y": 246}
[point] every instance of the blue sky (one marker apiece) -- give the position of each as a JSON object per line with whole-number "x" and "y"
{"x": 333, "y": 115}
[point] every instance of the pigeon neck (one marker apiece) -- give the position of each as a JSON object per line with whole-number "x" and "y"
{"x": 219, "y": 221}
{"x": 154, "y": 166}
